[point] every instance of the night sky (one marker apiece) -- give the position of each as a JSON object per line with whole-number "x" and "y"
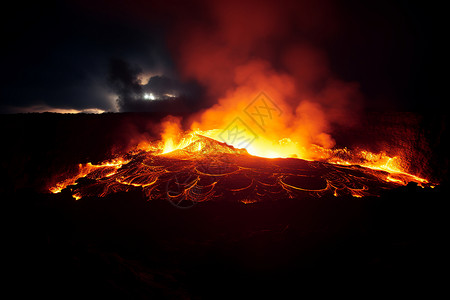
{"x": 93, "y": 56}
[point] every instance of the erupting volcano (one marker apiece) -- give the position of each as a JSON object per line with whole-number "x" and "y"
{"x": 263, "y": 127}
{"x": 199, "y": 168}
{"x": 224, "y": 149}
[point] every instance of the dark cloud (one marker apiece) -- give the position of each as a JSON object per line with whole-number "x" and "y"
{"x": 124, "y": 81}
{"x": 57, "y": 55}
{"x": 163, "y": 87}
{"x": 159, "y": 94}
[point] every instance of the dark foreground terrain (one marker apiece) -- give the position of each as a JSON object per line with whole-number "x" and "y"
{"x": 126, "y": 247}
{"x": 123, "y": 246}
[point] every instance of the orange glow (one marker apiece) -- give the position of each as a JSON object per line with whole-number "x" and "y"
{"x": 248, "y": 201}
{"x": 195, "y": 164}
{"x": 268, "y": 117}
{"x": 272, "y": 126}
{"x": 284, "y": 110}
{"x": 174, "y": 144}
{"x": 84, "y": 170}
{"x": 175, "y": 139}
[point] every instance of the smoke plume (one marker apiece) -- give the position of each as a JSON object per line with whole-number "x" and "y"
{"x": 243, "y": 48}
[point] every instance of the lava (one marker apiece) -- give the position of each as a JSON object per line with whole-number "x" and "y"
{"x": 199, "y": 168}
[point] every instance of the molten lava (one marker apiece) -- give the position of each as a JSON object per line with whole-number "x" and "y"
{"x": 196, "y": 168}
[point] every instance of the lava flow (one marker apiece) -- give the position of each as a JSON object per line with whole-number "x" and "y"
{"x": 199, "y": 168}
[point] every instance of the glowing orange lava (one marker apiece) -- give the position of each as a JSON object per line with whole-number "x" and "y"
{"x": 285, "y": 148}
{"x": 107, "y": 168}
{"x": 193, "y": 167}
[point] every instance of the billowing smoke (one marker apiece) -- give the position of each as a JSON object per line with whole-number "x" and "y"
{"x": 236, "y": 50}
{"x": 242, "y": 48}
